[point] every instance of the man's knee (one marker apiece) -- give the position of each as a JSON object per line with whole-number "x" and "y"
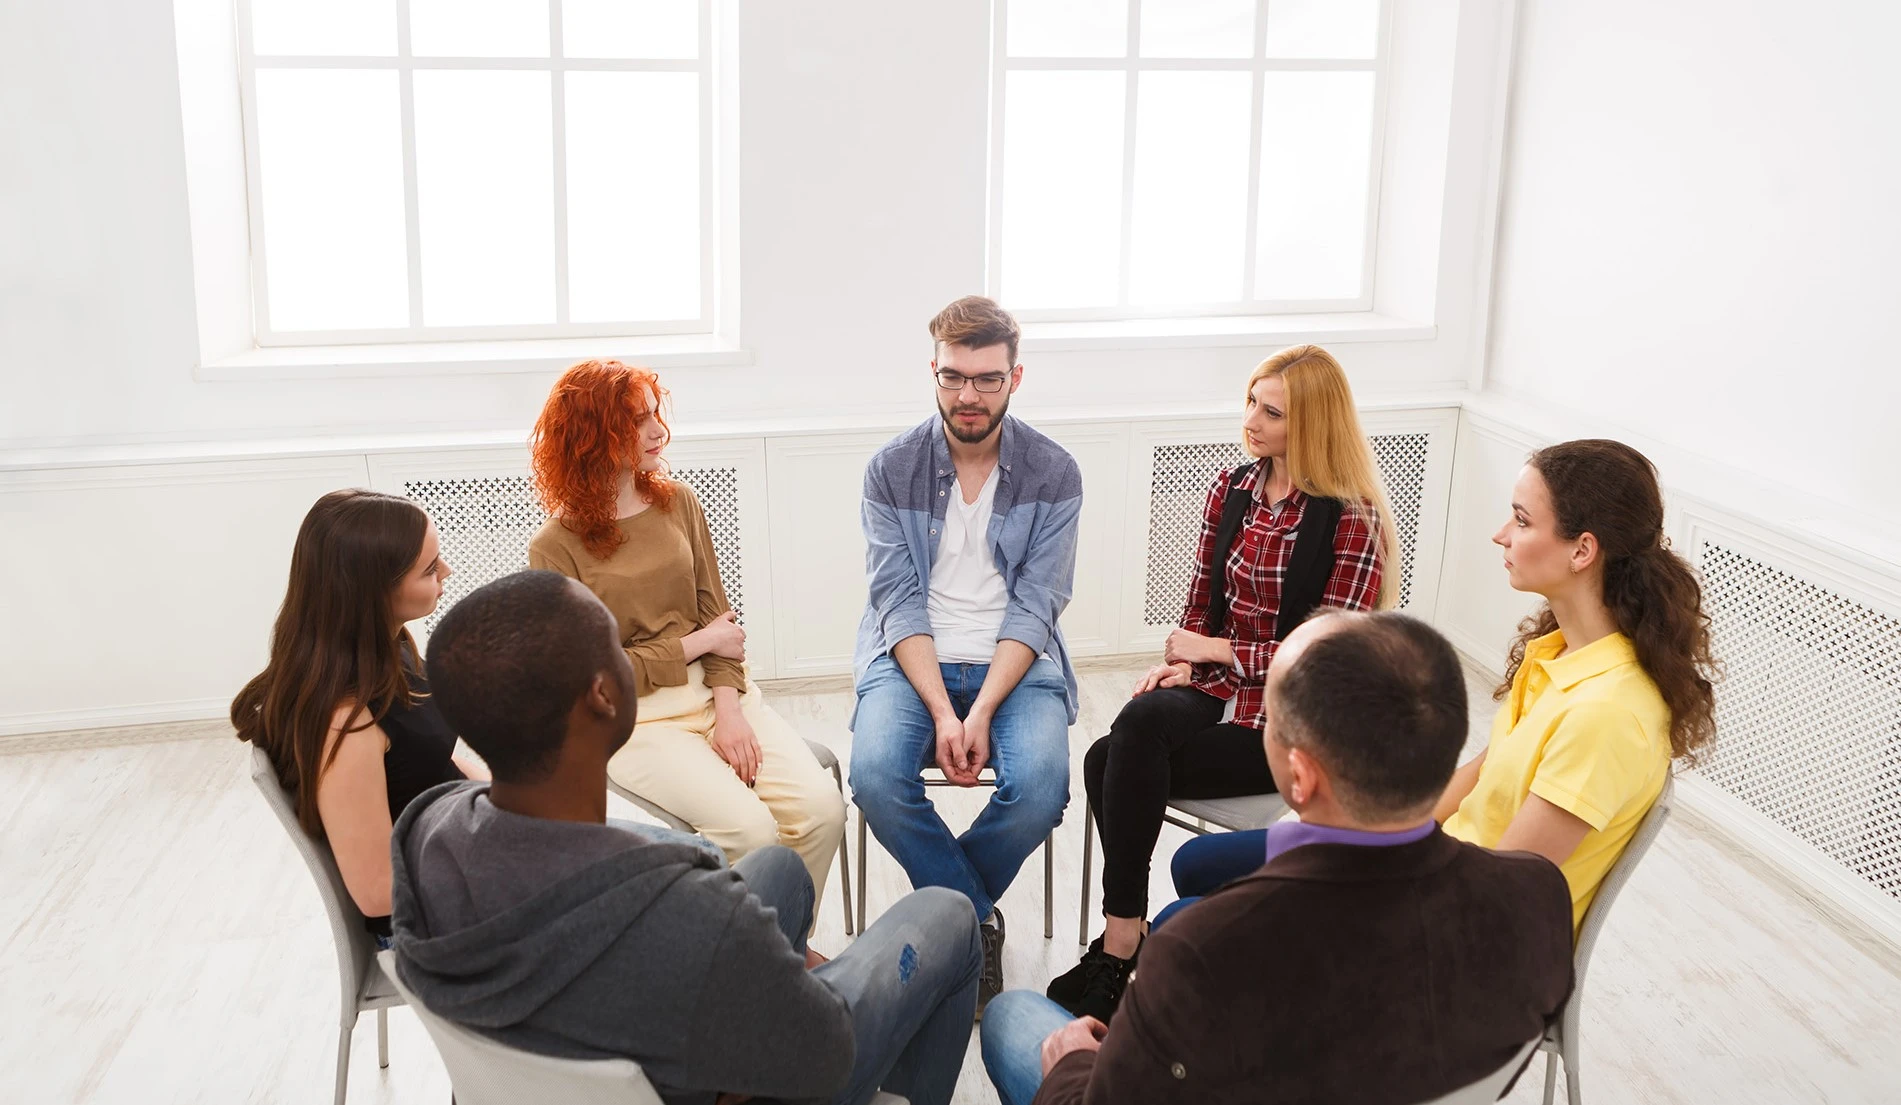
{"x": 947, "y": 919}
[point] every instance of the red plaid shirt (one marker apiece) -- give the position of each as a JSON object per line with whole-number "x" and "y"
{"x": 1255, "y": 567}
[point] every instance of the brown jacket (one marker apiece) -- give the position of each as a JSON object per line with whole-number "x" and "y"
{"x": 1338, "y": 974}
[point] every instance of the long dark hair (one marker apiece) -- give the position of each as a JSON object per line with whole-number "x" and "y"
{"x": 336, "y": 637}
{"x": 1608, "y": 489}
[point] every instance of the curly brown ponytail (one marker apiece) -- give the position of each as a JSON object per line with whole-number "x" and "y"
{"x": 1608, "y": 489}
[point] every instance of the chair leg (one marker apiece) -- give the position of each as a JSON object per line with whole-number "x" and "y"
{"x": 1049, "y": 885}
{"x": 844, "y": 856}
{"x": 1573, "y": 1090}
{"x": 1551, "y": 1077}
{"x": 382, "y": 1038}
{"x": 343, "y": 1062}
{"x": 1082, "y": 911}
{"x": 864, "y": 865}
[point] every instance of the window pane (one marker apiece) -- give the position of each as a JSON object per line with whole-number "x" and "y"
{"x": 365, "y": 28}
{"x": 1316, "y": 145}
{"x": 1323, "y": 28}
{"x": 330, "y": 157}
{"x": 478, "y": 28}
{"x": 630, "y": 28}
{"x": 485, "y": 197}
{"x": 1191, "y": 186}
{"x": 1062, "y": 189}
{"x": 633, "y": 196}
{"x": 1198, "y": 28}
{"x": 1067, "y": 29}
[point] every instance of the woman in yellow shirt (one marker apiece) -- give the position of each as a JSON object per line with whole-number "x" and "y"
{"x": 1605, "y": 684}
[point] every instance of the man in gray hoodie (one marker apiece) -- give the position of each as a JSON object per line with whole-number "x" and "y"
{"x": 518, "y": 910}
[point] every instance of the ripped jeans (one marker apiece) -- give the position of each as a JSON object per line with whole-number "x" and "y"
{"x": 910, "y": 980}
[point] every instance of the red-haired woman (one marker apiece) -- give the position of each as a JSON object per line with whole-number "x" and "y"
{"x": 706, "y": 746}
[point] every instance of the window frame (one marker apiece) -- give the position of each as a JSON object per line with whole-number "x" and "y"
{"x": 1132, "y": 64}
{"x": 714, "y": 217}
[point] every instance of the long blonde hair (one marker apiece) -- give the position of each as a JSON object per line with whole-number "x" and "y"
{"x": 1327, "y": 452}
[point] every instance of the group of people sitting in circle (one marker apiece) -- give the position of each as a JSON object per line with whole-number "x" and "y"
{"x": 1402, "y": 933}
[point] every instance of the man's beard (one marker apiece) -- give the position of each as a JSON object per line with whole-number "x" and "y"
{"x": 969, "y": 437}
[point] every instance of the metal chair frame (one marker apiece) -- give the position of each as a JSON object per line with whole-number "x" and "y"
{"x": 1206, "y": 811}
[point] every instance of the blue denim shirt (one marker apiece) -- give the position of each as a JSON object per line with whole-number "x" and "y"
{"x": 1032, "y": 535}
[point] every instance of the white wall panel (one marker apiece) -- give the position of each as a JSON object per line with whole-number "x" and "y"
{"x": 140, "y": 594}
{"x": 818, "y": 555}
{"x": 1477, "y": 607}
{"x": 1092, "y": 625}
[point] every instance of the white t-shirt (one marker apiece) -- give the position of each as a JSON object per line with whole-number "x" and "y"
{"x": 968, "y": 595}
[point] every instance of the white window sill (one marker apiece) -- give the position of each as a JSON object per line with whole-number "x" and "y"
{"x": 1221, "y": 331}
{"x": 469, "y": 358}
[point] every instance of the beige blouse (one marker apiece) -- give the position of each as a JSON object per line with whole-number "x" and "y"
{"x": 660, "y": 584}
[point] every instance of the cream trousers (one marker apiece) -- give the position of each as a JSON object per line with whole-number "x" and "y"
{"x": 670, "y": 762}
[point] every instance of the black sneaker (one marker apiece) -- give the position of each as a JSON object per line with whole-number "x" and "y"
{"x": 1106, "y": 982}
{"x": 990, "y": 982}
{"x": 1067, "y": 989}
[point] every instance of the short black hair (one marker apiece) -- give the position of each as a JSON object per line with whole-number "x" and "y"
{"x": 1380, "y": 701}
{"x": 508, "y": 662}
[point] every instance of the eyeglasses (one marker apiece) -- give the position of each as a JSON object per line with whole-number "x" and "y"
{"x": 989, "y": 383}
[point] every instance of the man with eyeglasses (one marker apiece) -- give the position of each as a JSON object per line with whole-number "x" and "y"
{"x": 970, "y": 530}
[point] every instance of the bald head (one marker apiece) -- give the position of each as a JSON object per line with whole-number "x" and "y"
{"x": 1379, "y": 701}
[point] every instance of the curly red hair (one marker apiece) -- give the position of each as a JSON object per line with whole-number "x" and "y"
{"x": 587, "y": 435}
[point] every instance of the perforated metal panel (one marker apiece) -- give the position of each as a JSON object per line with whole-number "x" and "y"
{"x": 485, "y": 524}
{"x": 1178, "y": 488}
{"x": 1809, "y": 713}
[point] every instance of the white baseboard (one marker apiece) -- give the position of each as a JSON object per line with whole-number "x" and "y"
{"x": 1830, "y": 885}
{"x": 112, "y": 717}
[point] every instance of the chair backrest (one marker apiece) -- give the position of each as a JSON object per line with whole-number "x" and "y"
{"x": 484, "y": 1072}
{"x": 1619, "y": 874}
{"x": 356, "y": 948}
{"x": 1490, "y": 1088}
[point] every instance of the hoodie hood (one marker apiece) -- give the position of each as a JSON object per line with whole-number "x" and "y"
{"x": 498, "y": 971}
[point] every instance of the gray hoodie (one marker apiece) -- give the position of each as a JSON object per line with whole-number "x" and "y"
{"x": 590, "y": 941}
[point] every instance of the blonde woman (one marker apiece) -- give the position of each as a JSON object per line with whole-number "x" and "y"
{"x": 1304, "y": 525}
{"x": 706, "y": 746}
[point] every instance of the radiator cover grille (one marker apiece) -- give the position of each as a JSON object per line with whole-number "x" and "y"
{"x": 1809, "y": 712}
{"x": 486, "y": 522}
{"x": 1178, "y": 488}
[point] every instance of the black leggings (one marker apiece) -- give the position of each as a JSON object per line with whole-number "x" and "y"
{"x": 1168, "y": 743}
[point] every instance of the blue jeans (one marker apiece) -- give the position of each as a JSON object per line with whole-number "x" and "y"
{"x": 894, "y": 740}
{"x": 1015, "y": 1025}
{"x": 670, "y": 836}
{"x": 1210, "y": 861}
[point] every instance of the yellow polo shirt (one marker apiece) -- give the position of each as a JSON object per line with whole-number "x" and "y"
{"x": 1590, "y": 734}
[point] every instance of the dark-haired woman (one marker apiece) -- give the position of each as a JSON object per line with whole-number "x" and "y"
{"x": 1605, "y": 685}
{"x": 342, "y": 707}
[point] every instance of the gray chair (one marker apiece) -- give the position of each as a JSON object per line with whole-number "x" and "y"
{"x": 483, "y": 1071}
{"x": 363, "y": 984}
{"x": 828, "y": 760}
{"x": 1251, "y": 811}
{"x": 934, "y": 777}
{"x": 1561, "y": 1038}
{"x": 1490, "y": 1088}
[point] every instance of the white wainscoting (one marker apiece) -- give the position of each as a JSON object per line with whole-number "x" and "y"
{"x": 186, "y": 621}
{"x": 145, "y": 593}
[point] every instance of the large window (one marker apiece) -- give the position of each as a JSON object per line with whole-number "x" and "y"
{"x": 1185, "y": 157}
{"x": 457, "y": 169}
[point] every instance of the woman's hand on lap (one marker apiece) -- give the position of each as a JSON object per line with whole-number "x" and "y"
{"x": 1163, "y": 675}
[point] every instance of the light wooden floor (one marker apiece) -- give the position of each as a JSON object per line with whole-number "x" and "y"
{"x": 162, "y": 943}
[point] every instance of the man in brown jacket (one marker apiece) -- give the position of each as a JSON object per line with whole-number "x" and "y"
{"x": 1373, "y": 960}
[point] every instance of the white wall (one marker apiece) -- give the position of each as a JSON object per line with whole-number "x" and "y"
{"x": 862, "y": 147}
{"x": 1700, "y": 234}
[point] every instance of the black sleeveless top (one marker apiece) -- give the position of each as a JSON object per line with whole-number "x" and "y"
{"x": 420, "y": 744}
